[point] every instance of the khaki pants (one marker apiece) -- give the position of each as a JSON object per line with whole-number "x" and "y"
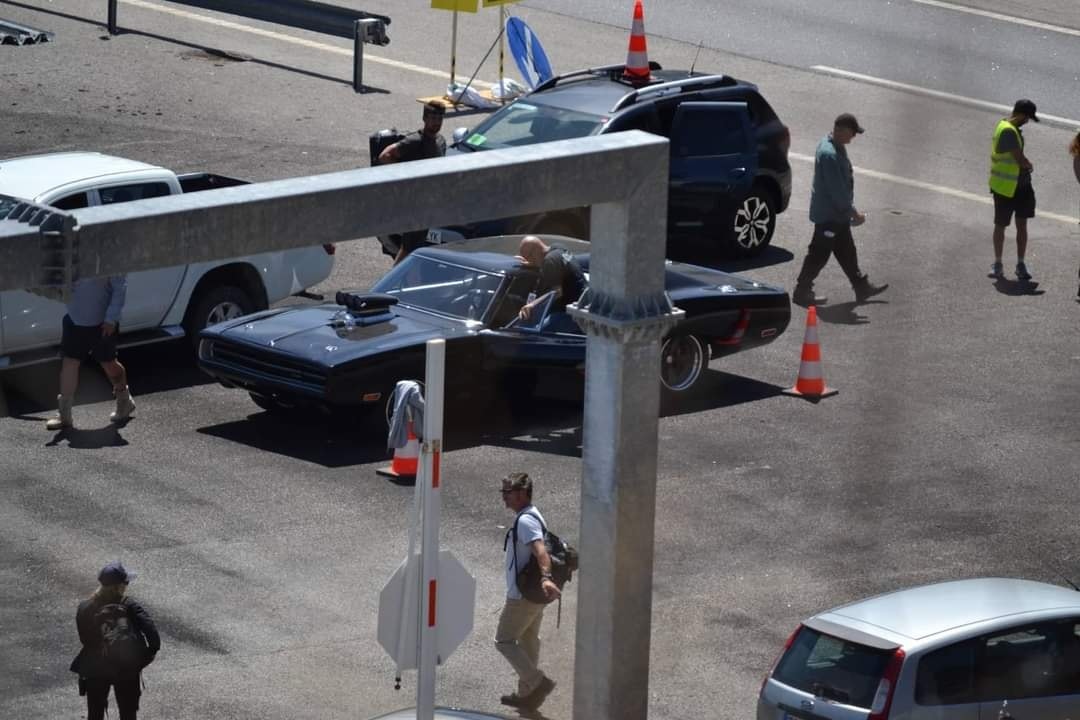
{"x": 518, "y": 639}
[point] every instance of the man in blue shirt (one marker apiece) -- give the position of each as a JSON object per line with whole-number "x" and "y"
{"x": 833, "y": 212}
{"x": 90, "y": 329}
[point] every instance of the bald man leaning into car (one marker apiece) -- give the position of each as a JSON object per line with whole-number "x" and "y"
{"x": 559, "y": 273}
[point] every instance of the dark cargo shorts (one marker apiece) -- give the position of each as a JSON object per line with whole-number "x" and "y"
{"x": 83, "y": 341}
{"x": 1022, "y": 203}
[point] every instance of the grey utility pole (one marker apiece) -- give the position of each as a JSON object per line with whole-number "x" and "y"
{"x": 625, "y": 312}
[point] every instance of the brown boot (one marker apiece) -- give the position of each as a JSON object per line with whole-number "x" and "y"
{"x": 63, "y": 417}
{"x": 124, "y": 405}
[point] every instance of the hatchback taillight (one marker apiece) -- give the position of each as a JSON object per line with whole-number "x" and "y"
{"x": 887, "y": 687}
{"x": 787, "y": 646}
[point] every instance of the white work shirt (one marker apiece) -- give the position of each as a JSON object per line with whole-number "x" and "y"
{"x": 529, "y": 530}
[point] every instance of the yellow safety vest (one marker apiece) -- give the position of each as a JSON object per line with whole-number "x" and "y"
{"x": 1004, "y": 170}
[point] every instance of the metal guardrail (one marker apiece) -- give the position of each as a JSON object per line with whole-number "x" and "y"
{"x": 359, "y": 26}
{"x": 15, "y": 34}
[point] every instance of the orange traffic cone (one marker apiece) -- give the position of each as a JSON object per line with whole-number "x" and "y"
{"x": 637, "y": 58}
{"x": 406, "y": 459}
{"x": 811, "y": 381}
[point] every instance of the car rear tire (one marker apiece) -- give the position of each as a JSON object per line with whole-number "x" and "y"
{"x": 753, "y": 223}
{"x": 216, "y": 304}
{"x": 683, "y": 359}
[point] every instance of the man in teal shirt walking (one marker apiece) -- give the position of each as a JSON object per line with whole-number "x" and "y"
{"x": 833, "y": 212}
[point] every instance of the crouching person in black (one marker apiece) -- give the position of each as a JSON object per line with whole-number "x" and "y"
{"x": 118, "y": 640}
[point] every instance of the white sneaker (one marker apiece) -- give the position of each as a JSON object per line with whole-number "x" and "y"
{"x": 124, "y": 406}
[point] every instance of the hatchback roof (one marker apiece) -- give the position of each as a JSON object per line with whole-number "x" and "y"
{"x": 597, "y": 91}
{"x": 930, "y": 609}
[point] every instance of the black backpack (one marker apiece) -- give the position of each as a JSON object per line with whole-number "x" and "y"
{"x": 123, "y": 648}
{"x": 564, "y": 561}
{"x": 379, "y": 141}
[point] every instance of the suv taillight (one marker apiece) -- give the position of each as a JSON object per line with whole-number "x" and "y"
{"x": 887, "y": 687}
{"x": 787, "y": 646}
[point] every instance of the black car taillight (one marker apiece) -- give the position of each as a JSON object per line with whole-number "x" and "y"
{"x": 787, "y": 646}
{"x": 887, "y": 687}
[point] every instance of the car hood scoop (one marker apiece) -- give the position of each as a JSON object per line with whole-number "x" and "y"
{"x": 320, "y": 333}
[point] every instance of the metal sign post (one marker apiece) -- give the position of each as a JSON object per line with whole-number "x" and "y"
{"x": 426, "y": 608}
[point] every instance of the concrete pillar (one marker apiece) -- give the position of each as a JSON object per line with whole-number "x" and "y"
{"x": 625, "y": 312}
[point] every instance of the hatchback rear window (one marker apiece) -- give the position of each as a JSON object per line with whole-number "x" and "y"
{"x": 832, "y": 668}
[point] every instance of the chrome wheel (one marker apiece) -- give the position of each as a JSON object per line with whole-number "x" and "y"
{"x": 225, "y": 310}
{"x": 753, "y": 223}
{"x": 682, "y": 360}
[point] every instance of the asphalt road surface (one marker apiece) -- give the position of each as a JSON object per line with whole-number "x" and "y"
{"x": 951, "y": 450}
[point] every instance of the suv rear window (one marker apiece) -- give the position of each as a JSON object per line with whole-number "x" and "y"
{"x": 832, "y": 668}
{"x": 526, "y": 123}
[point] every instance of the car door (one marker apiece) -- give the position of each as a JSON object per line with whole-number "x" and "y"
{"x": 29, "y": 320}
{"x": 150, "y": 293}
{"x": 1031, "y": 672}
{"x": 713, "y": 163}
{"x": 546, "y": 341}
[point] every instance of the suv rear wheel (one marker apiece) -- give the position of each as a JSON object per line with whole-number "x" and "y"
{"x": 753, "y": 223}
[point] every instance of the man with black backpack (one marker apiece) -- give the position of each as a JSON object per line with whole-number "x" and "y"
{"x": 118, "y": 640}
{"x": 518, "y": 634}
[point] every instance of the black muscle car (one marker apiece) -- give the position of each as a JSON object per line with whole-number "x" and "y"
{"x": 351, "y": 354}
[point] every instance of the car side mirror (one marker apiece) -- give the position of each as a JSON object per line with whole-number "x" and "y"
{"x": 460, "y": 134}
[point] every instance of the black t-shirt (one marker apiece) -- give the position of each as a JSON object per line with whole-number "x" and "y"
{"x": 418, "y": 146}
{"x": 560, "y": 270}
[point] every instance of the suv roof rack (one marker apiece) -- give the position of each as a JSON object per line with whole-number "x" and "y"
{"x": 613, "y": 71}
{"x": 690, "y": 83}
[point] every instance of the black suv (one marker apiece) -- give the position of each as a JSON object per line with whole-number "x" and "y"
{"x": 730, "y": 175}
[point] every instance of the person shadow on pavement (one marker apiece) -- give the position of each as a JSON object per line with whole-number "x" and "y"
{"x": 95, "y": 439}
{"x": 1006, "y": 286}
{"x": 846, "y": 313}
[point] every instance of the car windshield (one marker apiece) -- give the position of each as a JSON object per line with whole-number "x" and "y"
{"x": 832, "y": 668}
{"x": 525, "y": 123}
{"x": 429, "y": 284}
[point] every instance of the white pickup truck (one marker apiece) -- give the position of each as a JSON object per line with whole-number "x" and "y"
{"x": 161, "y": 304}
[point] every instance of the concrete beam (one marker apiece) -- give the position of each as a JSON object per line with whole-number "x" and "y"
{"x": 335, "y": 207}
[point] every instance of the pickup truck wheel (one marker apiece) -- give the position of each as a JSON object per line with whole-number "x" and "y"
{"x": 683, "y": 359}
{"x": 216, "y": 304}
{"x": 753, "y": 222}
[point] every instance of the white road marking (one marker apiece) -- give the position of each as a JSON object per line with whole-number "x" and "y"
{"x": 797, "y": 156}
{"x": 940, "y": 189}
{"x": 972, "y": 102}
{"x": 368, "y": 55}
{"x": 1000, "y": 16}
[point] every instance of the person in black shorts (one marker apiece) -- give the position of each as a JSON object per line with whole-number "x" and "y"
{"x": 423, "y": 144}
{"x": 1010, "y": 186}
{"x": 91, "y": 326}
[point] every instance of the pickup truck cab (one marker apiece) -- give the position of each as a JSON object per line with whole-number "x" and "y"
{"x": 161, "y": 304}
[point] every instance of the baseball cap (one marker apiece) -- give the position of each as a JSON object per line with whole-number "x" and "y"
{"x": 848, "y": 120}
{"x": 115, "y": 573}
{"x": 1025, "y": 107}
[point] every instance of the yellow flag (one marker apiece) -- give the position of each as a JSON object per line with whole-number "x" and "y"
{"x": 468, "y": 6}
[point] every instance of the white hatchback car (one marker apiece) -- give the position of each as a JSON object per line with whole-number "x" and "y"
{"x": 979, "y": 649}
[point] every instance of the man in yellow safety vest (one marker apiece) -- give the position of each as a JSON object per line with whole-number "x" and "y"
{"x": 1010, "y": 184}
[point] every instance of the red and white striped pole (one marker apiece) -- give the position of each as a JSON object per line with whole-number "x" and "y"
{"x": 430, "y": 456}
